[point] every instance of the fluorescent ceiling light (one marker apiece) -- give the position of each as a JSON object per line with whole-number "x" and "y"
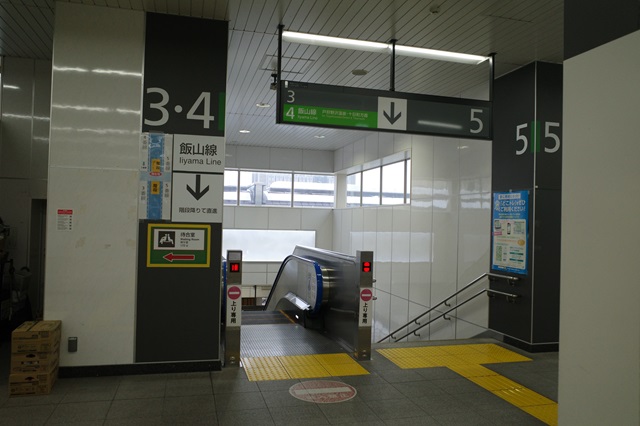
{"x": 440, "y": 55}
{"x": 342, "y": 43}
{"x": 371, "y": 46}
{"x": 244, "y": 131}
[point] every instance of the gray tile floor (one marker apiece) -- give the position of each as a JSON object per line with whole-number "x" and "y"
{"x": 387, "y": 396}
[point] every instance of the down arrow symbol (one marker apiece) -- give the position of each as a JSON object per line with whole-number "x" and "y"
{"x": 197, "y": 194}
{"x": 392, "y": 117}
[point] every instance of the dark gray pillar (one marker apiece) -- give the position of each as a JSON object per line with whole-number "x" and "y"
{"x": 527, "y": 160}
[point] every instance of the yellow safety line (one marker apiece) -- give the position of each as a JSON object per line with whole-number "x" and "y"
{"x": 465, "y": 360}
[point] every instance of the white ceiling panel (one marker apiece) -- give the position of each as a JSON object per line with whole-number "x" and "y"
{"x": 518, "y": 31}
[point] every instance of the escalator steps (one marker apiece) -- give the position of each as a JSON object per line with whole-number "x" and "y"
{"x": 264, "y": 317}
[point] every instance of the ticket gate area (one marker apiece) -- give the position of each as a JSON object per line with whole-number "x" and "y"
{"x": 330, "y": 292}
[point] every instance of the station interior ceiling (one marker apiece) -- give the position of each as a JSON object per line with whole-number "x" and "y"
{"x": 517, "y": 31}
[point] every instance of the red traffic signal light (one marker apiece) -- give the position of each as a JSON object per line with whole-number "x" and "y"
{"x": 366, "y": 267}
{"x": 234, "y": 267}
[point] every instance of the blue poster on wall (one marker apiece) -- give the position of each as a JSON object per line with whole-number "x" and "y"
{"x": 509, "y": 231}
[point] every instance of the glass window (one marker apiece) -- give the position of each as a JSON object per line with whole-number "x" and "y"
{"x": 265, "y": 188}
{"x": 354, "y": 189}
{"x": 393, "y": 183}
{"x": 371, "y": 187}
{"x": 231, "y": 187}
{"x": 314, "y": 190}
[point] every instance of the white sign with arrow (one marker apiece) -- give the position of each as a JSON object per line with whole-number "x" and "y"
{"x": 197, "y": 197}
{"x": 392, "y": 113}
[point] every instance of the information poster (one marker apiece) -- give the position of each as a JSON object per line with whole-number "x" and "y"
{"x": 155, "y": 176}
{"x": 510, "y": 224}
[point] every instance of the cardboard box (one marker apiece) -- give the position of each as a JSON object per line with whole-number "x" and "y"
{"x": 35, "y": 362}
{"x": 36, "y": 336}
{"x": 32, "y": 383}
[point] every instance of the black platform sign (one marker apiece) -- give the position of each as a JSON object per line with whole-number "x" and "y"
{"x": 184, "y": 82}
{"x": 354, "y": 108}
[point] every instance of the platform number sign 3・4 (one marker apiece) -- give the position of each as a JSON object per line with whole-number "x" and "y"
{"x": 200, "y": 110}
{"x": 184, "y": 89}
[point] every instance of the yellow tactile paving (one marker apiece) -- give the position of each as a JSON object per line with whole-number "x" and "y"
{"x": 272, "y": 373}
{"x": 299, "y": 360}
{"x": 465, "y": 360}
{"x": 332, "y": 359}
{"x": 546, "y": 413}
{"x": 301, "y": 367}
{"x": 494, "y": 383}
{"x": 522, "y": 397}
{"x": 459, "y": 349}
{"x": 307, "y": 371}
{"x": 477, "y": 358}
{"x": 414, "y": 362}
{"x": 346, "y": 369}
{"x": 261, "y": 362}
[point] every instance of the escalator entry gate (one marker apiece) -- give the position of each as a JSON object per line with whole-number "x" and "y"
{"x": 233, "y": 308}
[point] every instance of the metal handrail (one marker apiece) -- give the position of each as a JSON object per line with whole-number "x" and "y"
{"x": 444, "y": 302}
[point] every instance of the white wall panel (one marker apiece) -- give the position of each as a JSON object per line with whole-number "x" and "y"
{"x": 98, "y": 126}
{"x": 228, "y": 217}
{"x": 252, "y": 218}
{"x": 284, "y": 218}
{"x": 371, "y": 148}
{"x": 231, "y": 156}
{"x": 399, "y": 313}
{"x": 91, "y": 270}
{"x": 381, "y": 309}
{"x": 317, "y": 161}
{"x": 41, "y": 110}
{"x": 347, "y": 156}
{"x": 401, "y": 142}
{"x": 599, "y": 315}
{"x": 338, "y": 157}
{"x": 358, "y": 151}
{"x": 385, "y": 144}
{"x": 252, "y": 157}
{"x": 285, "y": 159}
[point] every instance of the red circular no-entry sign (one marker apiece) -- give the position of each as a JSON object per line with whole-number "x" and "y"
{"x": 234, "y": 292}
{"x": 366, "y": 294}
{"x": 323, "y": 391}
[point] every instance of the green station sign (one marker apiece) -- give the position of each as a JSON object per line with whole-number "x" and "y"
{"x": 178, "y": 246}
{"x": 324, "y": 105}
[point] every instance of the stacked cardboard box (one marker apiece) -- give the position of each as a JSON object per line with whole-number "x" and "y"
{"x": 35, "y": 352}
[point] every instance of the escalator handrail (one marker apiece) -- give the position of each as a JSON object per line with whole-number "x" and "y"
{"x": 319, "y": 279}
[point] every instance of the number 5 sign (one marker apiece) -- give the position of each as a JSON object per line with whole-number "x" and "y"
{"x": 184, "y": 88}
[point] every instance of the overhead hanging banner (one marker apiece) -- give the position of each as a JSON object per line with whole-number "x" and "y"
{"x": 355, "y": 108}
{"x": 509, "y": 237}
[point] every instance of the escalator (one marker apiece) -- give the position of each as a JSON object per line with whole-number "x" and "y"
{"x": 320, "y": 302}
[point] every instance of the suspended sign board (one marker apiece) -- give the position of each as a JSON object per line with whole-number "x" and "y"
{"x": 355, "y": 108}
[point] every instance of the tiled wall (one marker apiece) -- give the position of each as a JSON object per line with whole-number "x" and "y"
{"x": 428, "y": 250}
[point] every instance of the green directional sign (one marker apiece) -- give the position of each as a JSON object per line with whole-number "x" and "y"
{"x": 355, "y": 108}
{"x": 336, "y": 117}
{"x": 178, "y": 246}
